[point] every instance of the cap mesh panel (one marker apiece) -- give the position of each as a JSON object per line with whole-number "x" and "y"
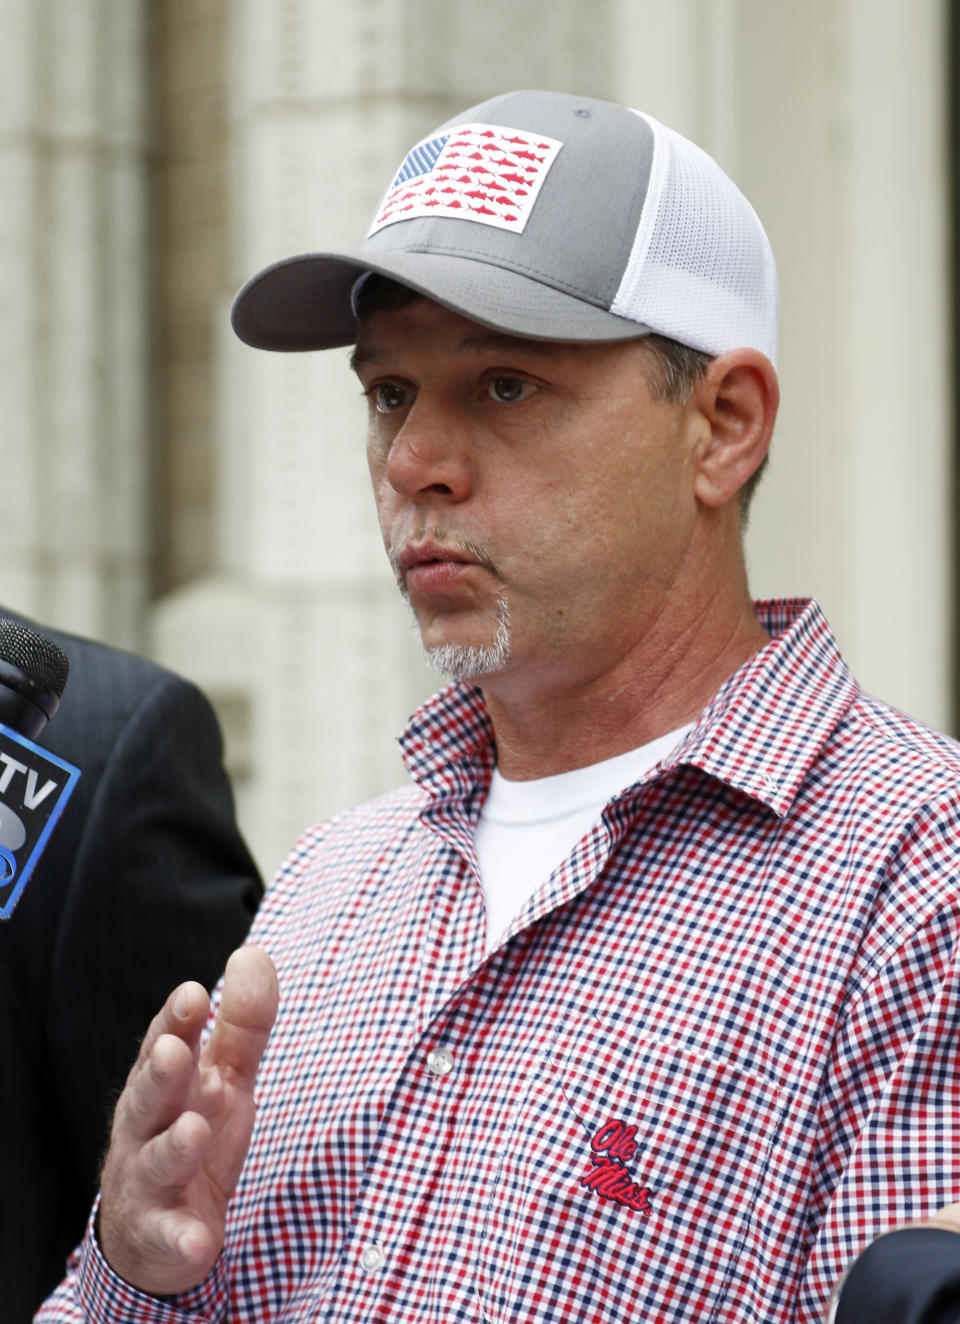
{"x": 701, "y": 270}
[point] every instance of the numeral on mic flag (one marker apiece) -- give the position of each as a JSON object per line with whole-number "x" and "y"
{"x": 35, "y": 785}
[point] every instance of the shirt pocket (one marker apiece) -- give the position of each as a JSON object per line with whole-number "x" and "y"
{"x": 629, "y": 1175}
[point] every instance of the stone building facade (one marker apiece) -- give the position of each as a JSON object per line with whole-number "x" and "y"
{"x": 169, "y": 489}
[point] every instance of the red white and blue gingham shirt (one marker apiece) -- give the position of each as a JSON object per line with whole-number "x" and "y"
{"x": 716, "y": 1054}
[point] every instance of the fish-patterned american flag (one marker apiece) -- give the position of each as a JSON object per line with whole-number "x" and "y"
{"x": 476, "y": 172}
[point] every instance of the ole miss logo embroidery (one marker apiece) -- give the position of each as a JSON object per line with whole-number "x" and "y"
{"x": 612, "y": 1148}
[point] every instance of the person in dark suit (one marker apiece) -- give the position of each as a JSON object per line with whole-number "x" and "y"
{"x": 144, "y": 881}
{"x": 909, "y": 1276}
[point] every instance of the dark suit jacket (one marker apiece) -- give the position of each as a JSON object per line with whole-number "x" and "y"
{"x": 907, "y": 1277}
{"x": 144, "y": 882}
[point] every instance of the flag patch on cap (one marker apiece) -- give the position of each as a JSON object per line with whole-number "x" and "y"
{"x": 476, "y": 172}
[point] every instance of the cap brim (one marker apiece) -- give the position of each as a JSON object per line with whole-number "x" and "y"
{"x": 304, "y": 302}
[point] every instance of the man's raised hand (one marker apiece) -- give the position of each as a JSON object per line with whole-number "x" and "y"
{"x": 182, "y": 1128}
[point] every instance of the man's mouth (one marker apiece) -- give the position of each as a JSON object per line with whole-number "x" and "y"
{"x": 430, "y": 566}
{"x": 416, "y": 554}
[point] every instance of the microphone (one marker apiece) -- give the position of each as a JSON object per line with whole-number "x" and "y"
{"x": 35, "y": 784}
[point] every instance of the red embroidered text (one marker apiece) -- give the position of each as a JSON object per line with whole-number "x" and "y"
{"x": 613, "y": 1147}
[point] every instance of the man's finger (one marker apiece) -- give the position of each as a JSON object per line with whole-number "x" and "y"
{"x": 174, "y": 1252}
{"x": 157, "y": 1088}
{"x": 248, "y": 1008}
{"x": 172, "y": 1158}
{"x": 184, "y": 1014}
{"x": 947, "y": 1218}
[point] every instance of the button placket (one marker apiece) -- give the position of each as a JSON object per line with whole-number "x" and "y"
{"x": 372, "y": 1258}
{"x": 440, "y": 1062}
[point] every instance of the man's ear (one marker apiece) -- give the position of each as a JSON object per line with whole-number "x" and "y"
{"x": 738, "y": 398}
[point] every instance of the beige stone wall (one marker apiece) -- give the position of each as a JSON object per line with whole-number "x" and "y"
{"x": 191, "y": 53}
{"x": 843, "y": 145}
{"x": 74, "y": 342}
{"x": 155, "y": 467}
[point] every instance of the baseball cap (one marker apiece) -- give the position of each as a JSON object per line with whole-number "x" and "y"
{"x": 549, "y": 216}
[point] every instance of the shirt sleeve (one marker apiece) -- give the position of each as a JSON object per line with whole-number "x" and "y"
{"x": 889, "y": 1148}
{"x": 91, "y": 1292}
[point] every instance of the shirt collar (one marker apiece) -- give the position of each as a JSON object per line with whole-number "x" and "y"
{"x": 767, "y": 724}
{"x": 760, "y": 733}
{"x": 448, "y": 743}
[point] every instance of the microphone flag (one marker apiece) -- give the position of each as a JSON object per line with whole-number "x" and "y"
{"x": 35, "y": 786}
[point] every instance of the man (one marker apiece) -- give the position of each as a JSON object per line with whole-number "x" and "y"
{"x": 637, "y": 1004}
{"x": 144, "y": 880}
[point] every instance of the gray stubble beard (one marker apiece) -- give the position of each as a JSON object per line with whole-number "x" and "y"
{"x": 463, "y": 661}
{"x": 471, "y": 661}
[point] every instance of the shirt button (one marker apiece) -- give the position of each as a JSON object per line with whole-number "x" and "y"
{"x": 440, "y": 1061}
{"x": 372, "y": 1259}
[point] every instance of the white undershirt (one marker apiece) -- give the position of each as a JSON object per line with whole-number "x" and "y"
{"x": 527, "y": 828}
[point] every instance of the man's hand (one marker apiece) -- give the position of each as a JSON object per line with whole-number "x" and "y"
{"x": 948, "y": 1218}
{"x": 181, "y": 1130}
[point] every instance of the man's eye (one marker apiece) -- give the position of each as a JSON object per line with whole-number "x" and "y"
{"x": 388, "y": 397}
{"x": 508, "y": 390}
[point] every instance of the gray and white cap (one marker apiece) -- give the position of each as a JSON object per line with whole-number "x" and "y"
{"x": 549, "y": 216}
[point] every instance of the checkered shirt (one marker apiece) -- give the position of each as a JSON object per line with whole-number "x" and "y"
{"x": 715, "y": 1055}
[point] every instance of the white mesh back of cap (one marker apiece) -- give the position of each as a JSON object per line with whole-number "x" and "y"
{"x": 701, "y": 270}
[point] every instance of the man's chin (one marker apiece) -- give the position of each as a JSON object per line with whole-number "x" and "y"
{"x": 468, "y": 661}
{"x": 472, "y": 661}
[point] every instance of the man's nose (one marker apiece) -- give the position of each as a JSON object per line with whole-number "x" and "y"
{"x": 430, "y": 455}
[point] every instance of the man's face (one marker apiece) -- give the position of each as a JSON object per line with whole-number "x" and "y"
{"x": 535, "y": 501}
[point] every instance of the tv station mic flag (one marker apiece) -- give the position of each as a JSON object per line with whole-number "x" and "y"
{"x": 35, "y": 784}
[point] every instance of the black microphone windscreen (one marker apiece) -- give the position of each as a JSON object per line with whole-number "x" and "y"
{"x": 33, "y": 673}
{"x": 35, "y": 783}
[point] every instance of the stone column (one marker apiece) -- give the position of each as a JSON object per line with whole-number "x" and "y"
{"x": 73, "y": 329}
{"x": 831, "y": 115}
{"x": 843, "y": 144}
